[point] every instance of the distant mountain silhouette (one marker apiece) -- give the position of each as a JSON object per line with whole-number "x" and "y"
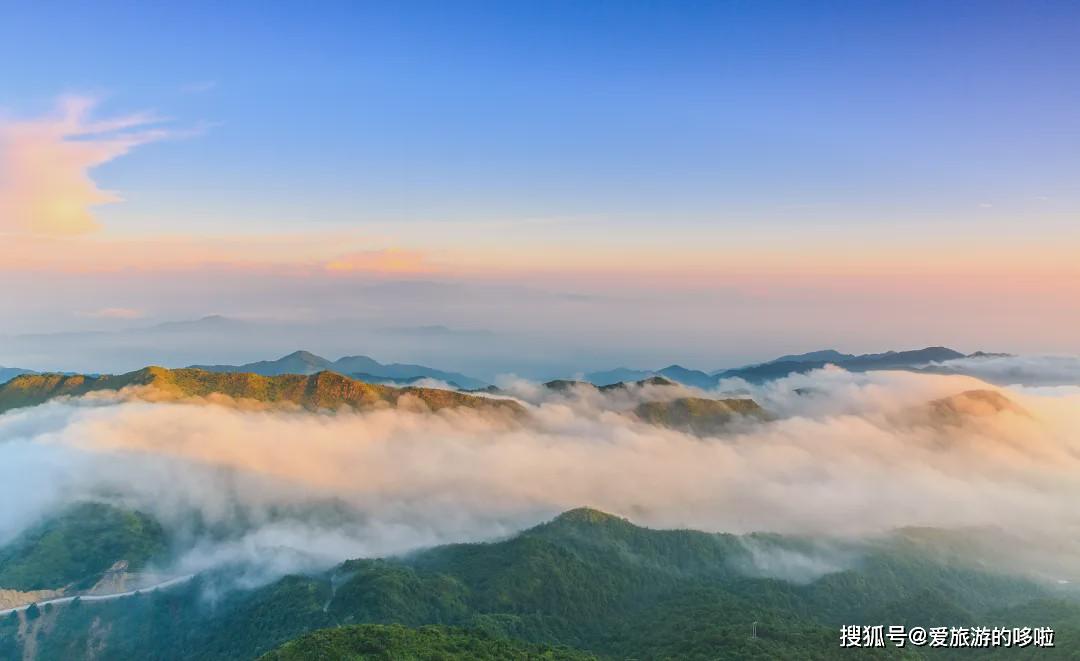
{"x": 688, "y": 377}
{"x": 830, "y": 355}
{"x": 297, "y": 362}
{"x": 9, "y": 373}
{"x": 915, "y": 360}
{"x": 305, "y": 362}
{"x": 677, "y": 373}
{"x": 799, "y": 364}
{"x": 617, "y": 375}
{"x": 212, "y": 323}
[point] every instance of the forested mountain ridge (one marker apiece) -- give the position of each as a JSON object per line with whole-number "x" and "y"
{"x": 585, "y": 580}
{"x": 375, "y": 641}
{"x": 323, "y": 390}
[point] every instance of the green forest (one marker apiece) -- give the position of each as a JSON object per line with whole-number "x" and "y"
{"x": 584, "y": 585}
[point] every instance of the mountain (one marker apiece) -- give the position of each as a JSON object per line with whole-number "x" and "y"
{"x": 956, "y": 409}
{"x": 677, "y": 373}
{"x": 77, "y": 546}
{"x": 9, "y": 373}
{"x": 324, "y": 390}
{"x": 895, "y": 359}
{"x": 617, "y": 375}
{"x": 771, "y": 370}
{"x": 649, "y": 381}
{"x": 564, "y": 385}
{"x": 689, "y": 377}
{"x": 297, "y": 362}
{"x": 586, "y": 580}
{"x": 825, "y": 355}
{"x": 698, "y": 415}
{"x": 305, "y": 362}
{"x": 802, "y": 363}
{"x": 377, "y": 641}
{"x": 389, "y": 381}
{"x": 786, "y": 365}
{"x": 403, "y": 372}
{"x": 214, "y": 323}
{"x": 777, "y": 368}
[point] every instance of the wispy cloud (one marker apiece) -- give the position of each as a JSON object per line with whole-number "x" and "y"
{"x": 116, "y": 313}
{"x": 381, "y": 261}
{"x": 45, "y": 164}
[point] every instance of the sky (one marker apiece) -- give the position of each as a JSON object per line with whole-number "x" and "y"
{"x": 609, "y": 182}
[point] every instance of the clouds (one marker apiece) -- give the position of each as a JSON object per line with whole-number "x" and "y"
{"x": 1017, "y": 370}
{"x": 391, "y": 261}
{"x": 386, "y": 481}
{"x": 116, "y": 313}
{"x": 45, "y": 164}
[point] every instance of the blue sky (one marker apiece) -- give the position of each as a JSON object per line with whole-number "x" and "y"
{"x": 912, "y": 164}
{"x": 630, "y": 112}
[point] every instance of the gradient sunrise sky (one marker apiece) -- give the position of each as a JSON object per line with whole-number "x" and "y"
{"x": 728, "y": 178}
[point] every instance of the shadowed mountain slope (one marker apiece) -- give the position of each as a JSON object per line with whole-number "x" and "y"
{"x": 799, "y": 364}
{"x": 374, "y": 641}
{"x": 77, "y": 546}
{"x": 587, "y": 580}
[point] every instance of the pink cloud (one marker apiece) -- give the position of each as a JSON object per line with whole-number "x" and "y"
{"x": 45, "y": 164}
{"x": 116, "y": 313}
{"x": 391, "y": 260}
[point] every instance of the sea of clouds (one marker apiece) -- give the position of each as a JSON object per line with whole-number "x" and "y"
{"x": 845, "y": 455}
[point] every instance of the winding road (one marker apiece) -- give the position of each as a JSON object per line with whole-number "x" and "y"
{"x": 102, "y": 597}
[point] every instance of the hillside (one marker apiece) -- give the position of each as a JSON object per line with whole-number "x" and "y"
{"x": 698, "y": 415}
{"x": 324, "y": 390}
{"x": 955, "y": 409}
{"x": 78, "y": 546}
{"x": 377, "y": 642}
{"x": 587, "y": 580}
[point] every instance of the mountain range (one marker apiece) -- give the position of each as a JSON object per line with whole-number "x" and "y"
{"x": 586, "y": 584}
{"x": 790, "y": 364}
{"x": 364, "y": 368}
{"x": 323, "y": 390}
{"x": 9, "y": 373}
{"x": 369, "y": 370}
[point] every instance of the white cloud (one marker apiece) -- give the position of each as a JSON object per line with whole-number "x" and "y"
{"x": 398, "y": 480}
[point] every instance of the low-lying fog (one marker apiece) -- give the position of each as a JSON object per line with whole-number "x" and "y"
{"x": 846, "y": 454}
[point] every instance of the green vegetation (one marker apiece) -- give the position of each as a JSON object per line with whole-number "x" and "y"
{"x": 698, "y": 415}
{"x": 953, "y": 410}
{"x": 586, "y": 583}
{"x": 372, "y": 641}
{"x": 325, "y": 390}
{"x": 77, "y": 546}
